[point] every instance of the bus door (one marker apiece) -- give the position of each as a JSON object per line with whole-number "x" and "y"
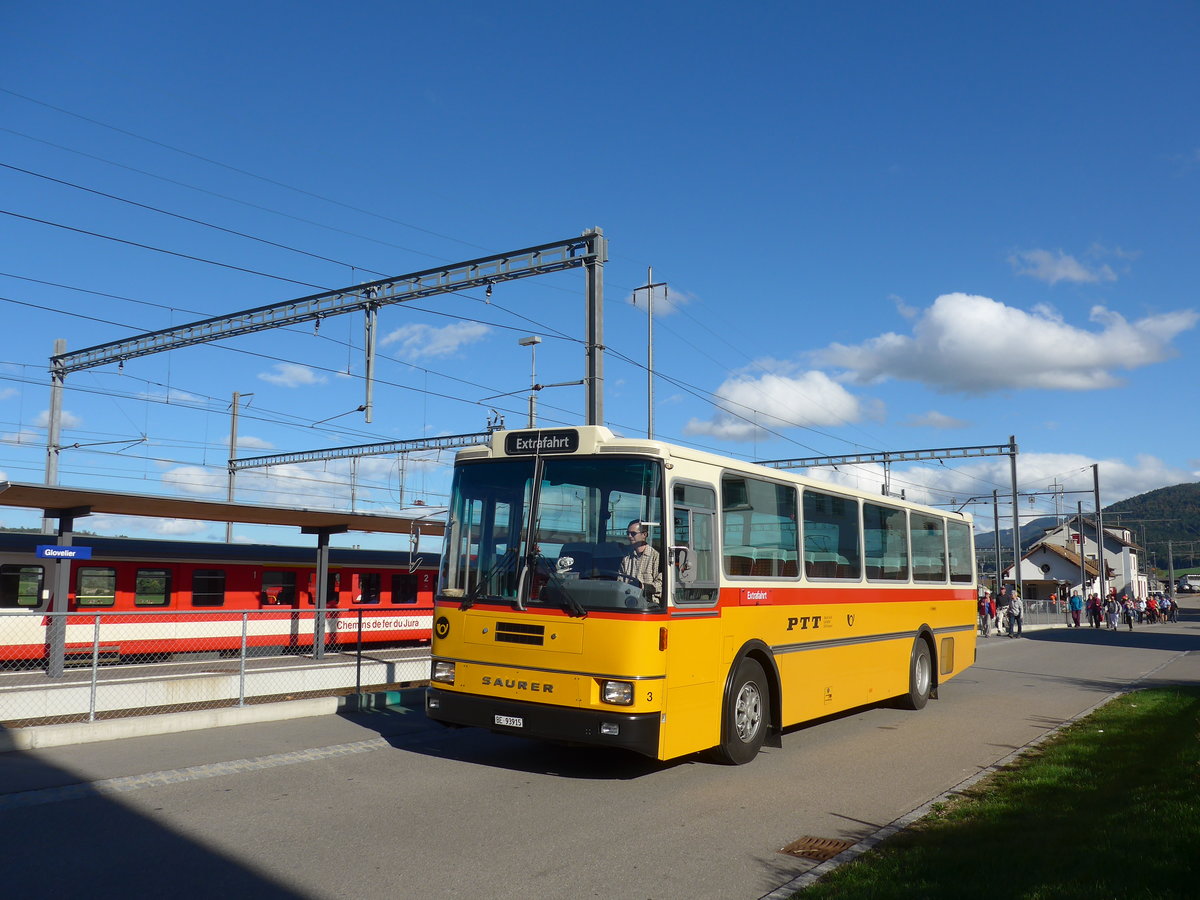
{"x": 694, "y": 631}
{"x": 693, "y": 549}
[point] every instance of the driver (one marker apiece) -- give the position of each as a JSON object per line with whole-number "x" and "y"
{"x": 640, "y": 562}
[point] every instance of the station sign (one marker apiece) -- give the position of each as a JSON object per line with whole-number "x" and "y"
{"x": 53, "y": 551}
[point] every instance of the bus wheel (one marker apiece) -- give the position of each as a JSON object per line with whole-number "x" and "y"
{"x": 744, "y": 716}
{"x": 920, "y": 677}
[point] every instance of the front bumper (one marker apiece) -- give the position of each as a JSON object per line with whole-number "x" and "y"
{"x": 636, "y": 732}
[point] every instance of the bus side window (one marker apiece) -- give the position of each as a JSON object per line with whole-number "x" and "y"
{"x": 21, "y": 586}
{"x": 831, "y": 536}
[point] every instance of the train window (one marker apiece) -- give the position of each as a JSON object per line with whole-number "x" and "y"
{"x": 208, "y": 587}
{"x": 279, "y": 587}
{"x": 21, "y": 586}
{"x": 96, "y": 586}
{"x": 152, "y": 587}
{"x": 369, "y": 588}
{"x": 404, "y": 588}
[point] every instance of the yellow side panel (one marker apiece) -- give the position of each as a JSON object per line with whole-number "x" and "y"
{"x": 692, "y": 717}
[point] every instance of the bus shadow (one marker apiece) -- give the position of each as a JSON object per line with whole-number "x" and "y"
{"x": 38, "y": 798}
{"x": 406, "y": 728}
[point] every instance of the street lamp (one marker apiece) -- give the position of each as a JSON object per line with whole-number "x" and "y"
{"x": 531, "y": 341}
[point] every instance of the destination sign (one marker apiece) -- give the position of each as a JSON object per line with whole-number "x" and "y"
{"x": 52, "y": 551}
{"x": 529, "y": 443}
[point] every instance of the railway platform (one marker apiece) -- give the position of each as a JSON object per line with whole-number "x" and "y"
{"x": 110, "y": 702}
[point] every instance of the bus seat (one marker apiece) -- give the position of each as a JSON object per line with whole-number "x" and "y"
{"x": 739, "y": 565}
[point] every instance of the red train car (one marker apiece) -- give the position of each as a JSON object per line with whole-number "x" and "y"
{"x": 169, "y": 597}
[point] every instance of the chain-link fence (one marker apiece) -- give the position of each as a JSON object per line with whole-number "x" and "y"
{"x": 1036, "y": 612}
{"x": 76, "y": 667}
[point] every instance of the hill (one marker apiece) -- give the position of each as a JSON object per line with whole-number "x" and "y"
{"x": 1169, "y": 515}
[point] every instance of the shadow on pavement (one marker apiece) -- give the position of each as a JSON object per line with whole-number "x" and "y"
{"x": 1143, "y": 637}
{"x": 73, "y": 840}
{"x": 405, "y": 727}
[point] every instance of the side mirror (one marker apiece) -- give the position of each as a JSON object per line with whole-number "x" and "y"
{"x": 683, "y": 566}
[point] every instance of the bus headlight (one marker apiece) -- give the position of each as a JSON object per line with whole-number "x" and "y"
{"x": 619, "y": 693}
{"x": 443, "y": 671}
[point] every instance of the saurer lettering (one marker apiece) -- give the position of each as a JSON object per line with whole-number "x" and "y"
{"x": 513, "y": 684}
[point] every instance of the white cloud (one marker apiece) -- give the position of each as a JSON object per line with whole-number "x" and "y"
{"x": 135, "y": 525}
{"x": 24, "y": 436}
{"x": 171, "y": 395}
{"x": 1055, "y": 267}
{"x": 417, "y": 340}
{"x": 66, "y": 419}
{"x": 197, "y": 480}
{"x": 976, "y": 345}
{"x": 5, "y": 393}
{"x": 935, "y": 419}
{"x": 292, "y": 375}
{"x": 252, "y": 443}
{"x": 909, "y": 312}
{"x": 667, "y": 300}
{"x": 750, "y": 404}
{"x": 958, "y": 481}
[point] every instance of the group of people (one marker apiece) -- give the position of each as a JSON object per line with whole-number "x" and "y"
{"x": 1008, "y": 610}
{"x": 1114, "y": 611}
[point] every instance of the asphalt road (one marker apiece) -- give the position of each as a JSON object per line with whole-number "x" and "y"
{"x": 387, "y": 805}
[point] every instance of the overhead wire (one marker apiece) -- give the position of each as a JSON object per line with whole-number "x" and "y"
{"x": 692, "y": 389}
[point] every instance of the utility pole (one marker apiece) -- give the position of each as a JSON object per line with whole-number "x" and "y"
{"x": 233, "y": 435}
{"x": 1082, "y": 558}
{"x": 54, "y": 428}
{"x": 1012, "y": 458}
{"x": 996, "y": 539}
{"x": 1099, "y": 528}
{"x": 649, "y": 287}
{"x": 531, "y": 342}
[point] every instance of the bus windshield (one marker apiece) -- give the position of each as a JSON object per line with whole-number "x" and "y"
{"x": 566, "y": 532}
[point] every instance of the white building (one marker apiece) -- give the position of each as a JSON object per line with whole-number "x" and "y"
{"x": 1052, "y": 565}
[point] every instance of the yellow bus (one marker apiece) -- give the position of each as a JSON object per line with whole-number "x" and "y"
{"x": 631, "y": 593}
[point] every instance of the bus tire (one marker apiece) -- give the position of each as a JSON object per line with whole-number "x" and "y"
{"x": 744, "y": 716}
{"x": 920, "y": 677}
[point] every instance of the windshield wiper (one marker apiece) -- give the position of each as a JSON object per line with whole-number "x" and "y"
{"x": 503, "y": 562}
{"x": 574, "y": 607}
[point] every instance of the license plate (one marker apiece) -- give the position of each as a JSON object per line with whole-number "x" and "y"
{"x": 510, "y": 721}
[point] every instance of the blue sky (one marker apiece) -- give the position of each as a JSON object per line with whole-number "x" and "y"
{"x": 883, "y": 227}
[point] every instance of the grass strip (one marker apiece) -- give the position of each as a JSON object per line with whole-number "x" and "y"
{"x": 1107, "y": 808}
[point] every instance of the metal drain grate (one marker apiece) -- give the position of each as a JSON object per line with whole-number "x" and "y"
{"x": 817, "y": 848}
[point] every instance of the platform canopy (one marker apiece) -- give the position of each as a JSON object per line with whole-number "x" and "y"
{"x": 54, "y": 500}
